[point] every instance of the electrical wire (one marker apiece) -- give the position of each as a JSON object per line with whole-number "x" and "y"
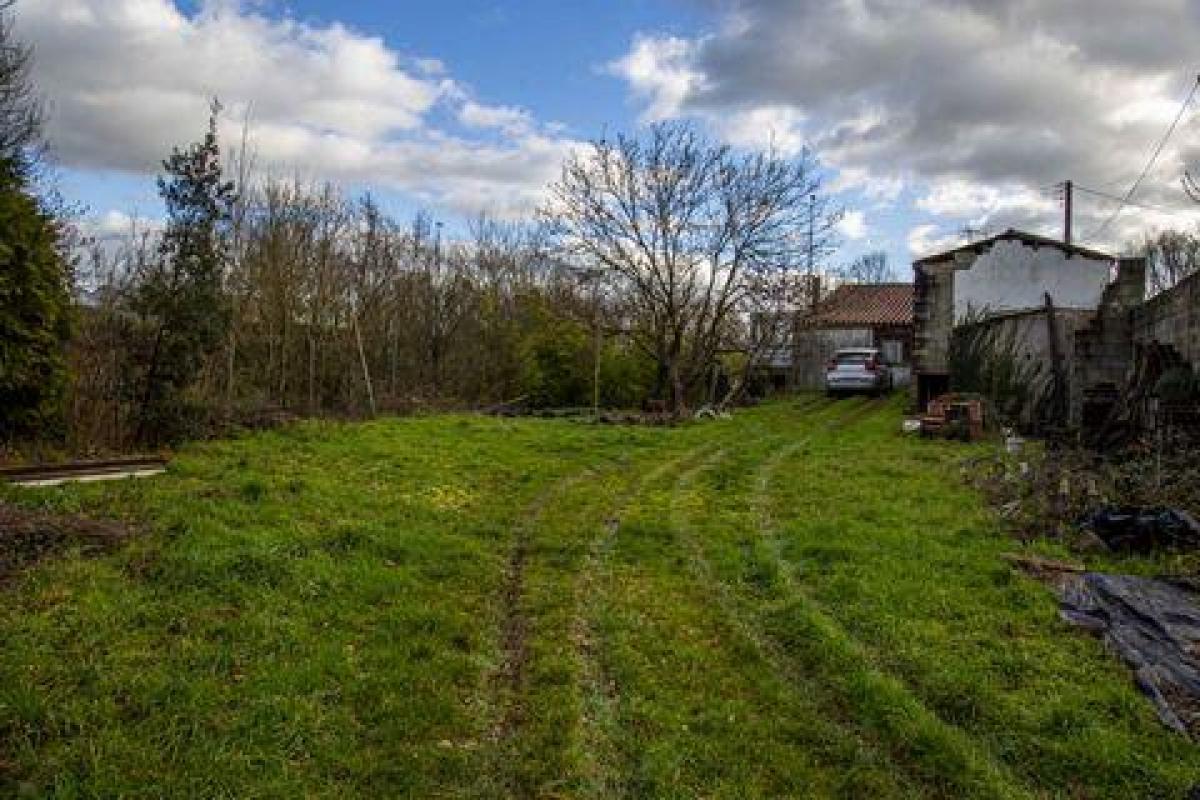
{"x": 1108, "y": 196}
{"x": 1149, "y": 164}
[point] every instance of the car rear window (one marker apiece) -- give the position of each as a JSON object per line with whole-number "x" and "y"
{"x": 852, "y": 358}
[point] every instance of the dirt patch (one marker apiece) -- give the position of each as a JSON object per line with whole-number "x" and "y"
{"x": 27, "y": 537}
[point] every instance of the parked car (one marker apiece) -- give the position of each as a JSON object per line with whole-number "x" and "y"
{"x": 858, "y": 369}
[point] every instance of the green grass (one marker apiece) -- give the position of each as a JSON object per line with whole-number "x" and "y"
{"x": 797, "y": 602}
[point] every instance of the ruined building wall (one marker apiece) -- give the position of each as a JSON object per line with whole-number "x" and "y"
{"x": 1172, "y": 318}
{"x": 1014, "y": 276}
{"x": 1009, "y": 277}
{"x": 933, "y": 322}
{"x": 1030, "y": 333}
{"x": 1104, "y": 349}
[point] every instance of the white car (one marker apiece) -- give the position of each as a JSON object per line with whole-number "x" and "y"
{"x": 859, "y": 369}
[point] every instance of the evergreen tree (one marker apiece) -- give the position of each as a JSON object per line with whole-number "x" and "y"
{"x": 35, "y": 296}
{"x": 181, "y": 296}
{"x": 35, "y": 313}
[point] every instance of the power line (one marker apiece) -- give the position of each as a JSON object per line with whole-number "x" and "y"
{"x": 1149, "y": 164}
{"x": 1108, "y": 196}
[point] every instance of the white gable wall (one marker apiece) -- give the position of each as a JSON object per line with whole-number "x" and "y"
{"x": 1014, "y": 276}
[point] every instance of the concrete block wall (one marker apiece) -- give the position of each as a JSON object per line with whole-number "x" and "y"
{"x": 1173, "y": 318}
{"x": 1104, "y": 348}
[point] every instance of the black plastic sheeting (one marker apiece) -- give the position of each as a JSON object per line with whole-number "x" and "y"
{"x": 1144, "y": 529}
{"x": 1155, "y": 627}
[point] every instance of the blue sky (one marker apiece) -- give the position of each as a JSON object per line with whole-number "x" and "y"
{"x": 930, "y": 116}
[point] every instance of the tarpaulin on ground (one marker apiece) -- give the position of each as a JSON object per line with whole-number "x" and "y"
{"x": 1144, "y": 529}
{"x": 1155, "y": 627}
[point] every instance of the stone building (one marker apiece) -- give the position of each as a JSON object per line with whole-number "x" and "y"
{"x": 1095, "y": 330}
{"x": 1004, "y": 281}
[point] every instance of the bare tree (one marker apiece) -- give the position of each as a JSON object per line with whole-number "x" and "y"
{"x": 21, "y": 109}
{"x": 1191, "y": 186}
{"x": 1171, "y": 256}
{"x": 870, "y": 267}
{"x": 686, "y": 228}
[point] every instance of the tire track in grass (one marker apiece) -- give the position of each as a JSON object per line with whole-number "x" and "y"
{"x": 510, "y": 682}
{"x": 507, "y": 682}
{"x": 909, "y": 729}
{"x": 600, "y": 723}
{"x": 601, "y": 694}
{"x": 854, "y": 747}
{"x": 685, "y": 664}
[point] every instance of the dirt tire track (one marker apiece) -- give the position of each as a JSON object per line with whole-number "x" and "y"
{"x": 597, "y": 681}
{"x": 507, "y": 682}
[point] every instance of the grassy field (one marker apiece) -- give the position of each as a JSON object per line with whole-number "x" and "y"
{"x": 797, "y": 602}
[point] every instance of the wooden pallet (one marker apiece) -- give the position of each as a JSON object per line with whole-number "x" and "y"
{"x": 83, "y": 471}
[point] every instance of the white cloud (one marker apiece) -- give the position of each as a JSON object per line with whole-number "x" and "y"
{"x": 927, "y": 239}
{"x": 661, "y": 71}
{"x": 505, "y": 118}
{"x": 129, "y": 79}
{"x": 955, "y": 197}
{"x": 975, "y": 105}
{"x": 112, "y": 225}
{"x": 772, "y": 127}
{"x": 853, "y": 225}
{"x": 883, "y": 190}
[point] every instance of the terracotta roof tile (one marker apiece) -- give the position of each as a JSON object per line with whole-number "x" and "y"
{"x": 865, "y": 305}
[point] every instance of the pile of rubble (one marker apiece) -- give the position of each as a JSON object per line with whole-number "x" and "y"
{"x": 1076, "y": 495}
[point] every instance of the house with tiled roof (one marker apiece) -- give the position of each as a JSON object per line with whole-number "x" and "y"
{"x": 854, "y": 315}
{"x": 857, "y": 305}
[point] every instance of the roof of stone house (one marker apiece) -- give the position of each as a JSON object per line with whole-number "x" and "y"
{"x": 864, "y": 305}
{"x": 1012, "y": 234}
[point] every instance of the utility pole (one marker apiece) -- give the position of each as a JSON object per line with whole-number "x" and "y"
{"x": 811, "y": 254}
{"x": 1068, "y": 192}
{"x": 595, "y": 276}
{"x": 597, "y": 347}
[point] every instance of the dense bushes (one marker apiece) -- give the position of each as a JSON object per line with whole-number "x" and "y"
{"x": 327, "y": 306}
{"x": 558, "y": 358}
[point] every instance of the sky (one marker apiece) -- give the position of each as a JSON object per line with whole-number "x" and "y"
{"x": 928, "y": 116}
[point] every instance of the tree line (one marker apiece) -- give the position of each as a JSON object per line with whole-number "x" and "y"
{"x": 646, "y": 278}
{"x": 279, "y": 294}
{"x": 634, "y": 285}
